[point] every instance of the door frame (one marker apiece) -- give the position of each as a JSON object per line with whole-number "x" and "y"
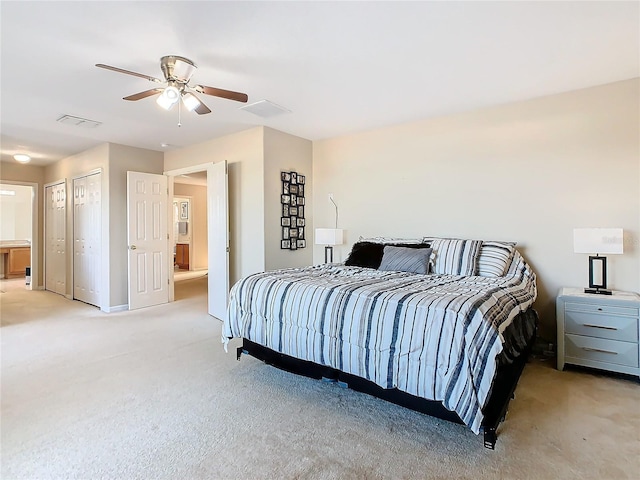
{"x": 62, "y": 181}
{"x": 35, "y": 231}
{"x": 182, "y": 171}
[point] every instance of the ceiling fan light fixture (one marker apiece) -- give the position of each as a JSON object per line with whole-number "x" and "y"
{"x": 164, "y": 102}
{"x": 22, "y": 158}
{"x": 190, "y": 101}
{"x": 172, "y": 93}
{"x": 169, "y": 97}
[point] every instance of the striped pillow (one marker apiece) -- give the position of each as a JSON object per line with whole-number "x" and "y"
{"x": 494, "y": 258}
{"x": 403, "y": 259}
{"x": 455, "y": 256}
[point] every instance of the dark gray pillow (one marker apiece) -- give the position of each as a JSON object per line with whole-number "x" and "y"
{"x": 402, "y": 259}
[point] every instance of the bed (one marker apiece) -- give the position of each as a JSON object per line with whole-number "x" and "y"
{"x": 442, "y": 326}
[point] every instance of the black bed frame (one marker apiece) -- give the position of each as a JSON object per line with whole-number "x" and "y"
{"x": 494, "y": 412}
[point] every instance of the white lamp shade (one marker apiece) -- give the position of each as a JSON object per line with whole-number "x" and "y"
{"x": 598, "y": 240}
{"x": 190, "y": 101}
{"x": 168, "y": 97}
{"x": 329, "y": 236}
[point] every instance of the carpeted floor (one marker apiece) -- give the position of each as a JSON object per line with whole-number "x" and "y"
{"x": 150, "y": 394}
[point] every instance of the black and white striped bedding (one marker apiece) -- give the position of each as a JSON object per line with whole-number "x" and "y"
{"x": 433, "y": 336}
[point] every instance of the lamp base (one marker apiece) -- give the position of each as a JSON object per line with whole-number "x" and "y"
{"x": 328, "y": 254}
{"x": 599, "y": 291}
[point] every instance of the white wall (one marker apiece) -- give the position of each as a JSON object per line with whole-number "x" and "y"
{"x": 11, "y": 172}
{"x": 243, "y": 152}
{"x": 15, "y": 213}
{"x": 15, "y": 216}
{"x": 528, "y": 172}
{"x": 284, "y": 152}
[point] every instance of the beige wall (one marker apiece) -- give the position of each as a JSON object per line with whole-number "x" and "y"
{"x": 92, "y": 160}
{"x": 113, "y": 161}
{"x": 528, "y": 172}
{"x": 243, "y": 152}
{"x": 284, "y": 152}
{"x": 197, "y": 222}
{"x": 13, "y": 172}
{"x": 121, "y": 160}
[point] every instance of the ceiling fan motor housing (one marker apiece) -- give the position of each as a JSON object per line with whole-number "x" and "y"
{"x": 176, "y": 68}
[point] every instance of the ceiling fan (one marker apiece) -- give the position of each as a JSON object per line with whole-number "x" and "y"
{"x": 177, "y": 72}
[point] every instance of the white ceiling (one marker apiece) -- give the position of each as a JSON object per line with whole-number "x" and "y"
{"x": 340, "y": 67}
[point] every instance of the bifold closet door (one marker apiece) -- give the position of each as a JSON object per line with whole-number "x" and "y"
{"x": 87, "y": 238}
{"x": 55, "y": 238}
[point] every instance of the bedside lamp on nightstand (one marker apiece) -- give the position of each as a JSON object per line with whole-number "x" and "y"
{"x": 329, "y": 237}
{"x": 598, "y": 240}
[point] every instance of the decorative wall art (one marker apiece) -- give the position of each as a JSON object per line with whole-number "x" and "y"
{"x": 184, "y": 210}
{"x": 293, "y": 204}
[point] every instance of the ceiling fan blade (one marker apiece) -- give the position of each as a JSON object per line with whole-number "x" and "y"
{"x": 202, "y": 109}
{"x": 219, "y": 92}
{"x": 145, "y": 94}
{"x": 128, "y": 72}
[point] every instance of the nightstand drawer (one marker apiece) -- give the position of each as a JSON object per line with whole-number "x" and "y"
{"x": 612, "y": 327}
{"x": 600, "y": 350}
{"x": 601, "y": 309}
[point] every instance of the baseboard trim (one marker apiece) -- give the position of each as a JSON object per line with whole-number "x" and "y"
{"x": 116, "y": 308}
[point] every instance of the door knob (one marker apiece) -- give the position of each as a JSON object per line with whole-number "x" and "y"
{"x": 132, "y": 247}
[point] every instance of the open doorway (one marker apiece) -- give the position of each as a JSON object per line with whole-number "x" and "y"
{"x": 190, "y": 227}
{"x": 18, "y": 244}
{"x": 217, "y": 209}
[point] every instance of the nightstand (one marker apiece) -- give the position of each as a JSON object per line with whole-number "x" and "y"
{"x": 598, "y": 331}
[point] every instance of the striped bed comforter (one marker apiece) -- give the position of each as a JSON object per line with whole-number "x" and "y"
{"x": 433, "y": 336}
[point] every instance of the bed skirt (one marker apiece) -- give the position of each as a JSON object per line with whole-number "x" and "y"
{"x": 510, "y": 367}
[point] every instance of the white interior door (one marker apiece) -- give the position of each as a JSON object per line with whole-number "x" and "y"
{"x": 87, "y": 238}
{"x": 147, "y": 199}
{"x": 218, "y": 220}
{"x": 55, "y": 238}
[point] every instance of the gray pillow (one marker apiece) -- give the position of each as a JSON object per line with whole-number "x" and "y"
{"x": 403, "y": 259}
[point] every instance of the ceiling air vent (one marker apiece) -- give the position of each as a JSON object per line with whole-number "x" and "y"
{"x": 78, "y": 122}
{"x": 265, "y": 109}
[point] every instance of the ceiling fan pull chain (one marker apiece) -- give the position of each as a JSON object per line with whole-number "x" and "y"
{"x": 179, "y": 113}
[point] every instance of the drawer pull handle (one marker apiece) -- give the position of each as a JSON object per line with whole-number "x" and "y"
{"x": 599, "y": 309}
{"x": 588, "y": 349}
{"x": 599, "y": 326}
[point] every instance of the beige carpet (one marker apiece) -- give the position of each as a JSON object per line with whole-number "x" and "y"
{"x": 152, "y": 395}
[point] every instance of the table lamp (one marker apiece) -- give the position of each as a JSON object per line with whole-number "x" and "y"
{"x": 329, "y": 237}
{"x": 598, "y": 240}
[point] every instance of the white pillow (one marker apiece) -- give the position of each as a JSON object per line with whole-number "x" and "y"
{"x": 494, "y": 258}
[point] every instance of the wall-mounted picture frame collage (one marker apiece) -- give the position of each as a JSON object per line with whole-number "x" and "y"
{"x": 292, "y": 221}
